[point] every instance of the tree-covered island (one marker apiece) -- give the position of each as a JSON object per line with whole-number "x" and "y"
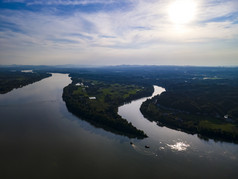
{"x": 98, "y": 101}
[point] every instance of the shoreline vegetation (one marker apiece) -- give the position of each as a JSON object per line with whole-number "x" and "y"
{"x": 10, "y": 80}
{"x": 205, "y": 127}
{"x": 97, "y": 102}
{"x": 198, "y": 100}
{"x": 209, "y": 109}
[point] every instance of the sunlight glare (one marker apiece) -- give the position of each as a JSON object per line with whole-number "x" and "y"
{"x": 179, "y": 146}
{"x": 182, "y": 11}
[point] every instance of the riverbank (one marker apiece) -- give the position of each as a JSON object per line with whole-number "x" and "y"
{"x": 10, "y": 80}
{"x": 97, "y": 102}
{"x": 205, "y": 126}
{"x": 41, "y": 139}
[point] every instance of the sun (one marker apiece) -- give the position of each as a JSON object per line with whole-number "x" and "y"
{"x": 182, "y": 11}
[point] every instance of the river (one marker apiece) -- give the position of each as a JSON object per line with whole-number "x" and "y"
{"x": 39, "y": 138}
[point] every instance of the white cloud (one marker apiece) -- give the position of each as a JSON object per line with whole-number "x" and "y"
{"x": 210, "y": 9}
{"x": 68, "y": 2}
{"x": 138, "y": 32}
{"x": 60, "y": 2}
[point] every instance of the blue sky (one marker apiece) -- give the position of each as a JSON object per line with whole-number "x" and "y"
{"x": 114, "y": 32}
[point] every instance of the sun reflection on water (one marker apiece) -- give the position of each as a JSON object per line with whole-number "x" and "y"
{"x": 179, "y": 146}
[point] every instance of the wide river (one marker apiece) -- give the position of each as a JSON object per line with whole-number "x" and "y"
{"x": 39, "y": 138}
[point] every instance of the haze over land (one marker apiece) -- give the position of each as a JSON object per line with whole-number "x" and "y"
{"x": 101, "y": 32}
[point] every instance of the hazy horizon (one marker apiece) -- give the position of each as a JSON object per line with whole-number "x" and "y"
{"x": 120, "y": 65}
{"x": 108, "y": 33}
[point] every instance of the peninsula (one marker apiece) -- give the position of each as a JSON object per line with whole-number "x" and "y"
{"x": 97, "y": 102}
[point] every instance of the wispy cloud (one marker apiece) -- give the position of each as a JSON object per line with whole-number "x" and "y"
{"x": 210, "y": 9}
{"x": 69, "y": 2}
{"x": 61, "y": 2}
{"x": 142, "y": 27}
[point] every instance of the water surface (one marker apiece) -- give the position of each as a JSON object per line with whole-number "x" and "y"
{"x": 39, "y": 138}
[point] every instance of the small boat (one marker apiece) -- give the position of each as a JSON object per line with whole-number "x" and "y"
{"x": 146, "y": 146}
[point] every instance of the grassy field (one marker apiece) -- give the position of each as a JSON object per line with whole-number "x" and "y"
{"x": 105, "y": 93}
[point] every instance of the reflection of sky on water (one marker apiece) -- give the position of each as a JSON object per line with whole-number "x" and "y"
{"x": 163, "y": 140}
{"x": 50, "y": 134}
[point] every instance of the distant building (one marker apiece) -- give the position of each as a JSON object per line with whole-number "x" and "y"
{"x": 228, "y": 119}
{"x": 79, "y": 84}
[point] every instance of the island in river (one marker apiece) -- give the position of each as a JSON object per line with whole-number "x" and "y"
{"x": 98, "y": 102}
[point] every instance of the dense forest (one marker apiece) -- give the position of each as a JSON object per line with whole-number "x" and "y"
{"x": 10, "y": 79}
{"x": 98, "y": 102}
{"x": 203, "y": 102}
